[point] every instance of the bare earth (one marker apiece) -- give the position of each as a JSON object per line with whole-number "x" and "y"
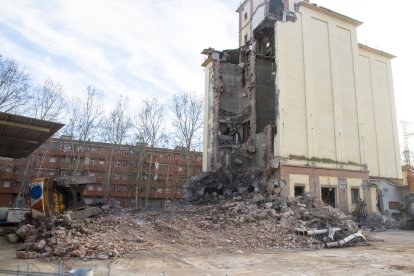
{"x": 394, "y": 256}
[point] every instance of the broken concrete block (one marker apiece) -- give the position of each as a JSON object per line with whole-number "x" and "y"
{"x": 88, "y": 212}
{"x": 257, "y": 198}
{"x": 274, "y": 163}
{"x": 12, "y": 238}
{"x": 24, "y": 246}
{"x": 242, "y": 189}
{"x": 24, "y": 231}
{"x": 270, "y": 186}
{"x": 285, "y": 223}
{"x": 238, "y": 162}
{"x": 75, "y": 253}
{"x": 277, "y": 191}
{"x": 40, "y": 245}
{"x": 67, "y": 219}
{"x": 285, "y": 214}
{"x": 26, "y": 255}
{"x": 103, "y": 256}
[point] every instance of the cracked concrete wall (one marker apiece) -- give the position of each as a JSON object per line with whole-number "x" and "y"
{"x": 265, "y": 94}
{"x": 243, "y": 97}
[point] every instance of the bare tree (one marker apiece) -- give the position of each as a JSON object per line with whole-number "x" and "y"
{"x": 187, "y": 120}
{"x": 115, "y": 131}
{"x": 150, "y": 127}
{"x": 85, "y": 118}
{"x": 14, "y": 86}
{"x": 48, "y": 102}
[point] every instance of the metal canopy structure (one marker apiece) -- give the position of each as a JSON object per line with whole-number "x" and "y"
{"x": 20, "y": 136}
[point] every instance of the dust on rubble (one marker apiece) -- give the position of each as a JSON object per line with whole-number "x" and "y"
{"x": 249, "y": 222}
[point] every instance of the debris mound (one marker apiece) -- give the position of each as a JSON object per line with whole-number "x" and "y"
{"x": 231, "y": 223}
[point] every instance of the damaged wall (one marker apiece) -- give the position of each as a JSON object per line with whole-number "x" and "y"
{"x": 242, "y": 98}
{"x": 295, "y": 99}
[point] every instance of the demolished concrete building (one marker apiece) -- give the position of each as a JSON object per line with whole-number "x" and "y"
{"x": 304, "y": 103}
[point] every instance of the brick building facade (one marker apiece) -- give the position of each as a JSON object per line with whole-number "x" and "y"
{"x": 122, "y": 172}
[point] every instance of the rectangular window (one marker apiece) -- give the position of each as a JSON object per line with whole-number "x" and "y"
{"x": 100, "y": 200}
{"x": 6, "y": 183}
{"x": 93, "y": 162}
{"x": 90, "y": 187}
{"x": 52, "y": 159}
{"x": 245, "y": 15}
{"x": 245, "y": 38}
{"x": 299, "y": 190}
{"x": 328, "y": 195}
{"x": 99, "y": 188}
{"x": 120, "y": 188}
{"x": 88, "y": 200}
{"x": 354, "y": 195}
{"x": 67, "y": 147}
{"x": 101, "y": 163}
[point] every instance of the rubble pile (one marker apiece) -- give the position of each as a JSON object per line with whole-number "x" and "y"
{"x": 101, "y": 237}
{"x": 250, "y": 222}
{"x": 212, "y": 186}
{"x": 378, "y": 222}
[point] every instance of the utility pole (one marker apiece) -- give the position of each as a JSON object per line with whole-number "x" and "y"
{"x": 406, "y": 136}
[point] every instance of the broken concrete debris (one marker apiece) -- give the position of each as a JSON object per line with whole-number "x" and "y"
{"x": 249, "y": 219}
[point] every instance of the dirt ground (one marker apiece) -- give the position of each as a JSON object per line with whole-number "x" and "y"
{"x": 394, "y": 256}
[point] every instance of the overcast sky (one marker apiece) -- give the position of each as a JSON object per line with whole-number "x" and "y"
{"x": 143, "y": 47}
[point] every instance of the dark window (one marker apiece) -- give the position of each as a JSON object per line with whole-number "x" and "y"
{"x": 354, "y": 195}
{"x": 328, "y": 196}
{"x": 245, "y": 15}
{"x": 299, "y": 190}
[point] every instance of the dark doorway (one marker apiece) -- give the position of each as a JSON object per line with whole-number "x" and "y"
{"x": 379, "y": 201}
{"x": 299, "y": 190}
{"x": 328, "y": 196}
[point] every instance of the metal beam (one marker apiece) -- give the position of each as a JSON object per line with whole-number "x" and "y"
{"x": 19, "y": 139}
{"x": 20, "y": 125}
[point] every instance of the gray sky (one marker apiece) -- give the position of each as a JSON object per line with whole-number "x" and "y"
{"x": 143, "y": 47}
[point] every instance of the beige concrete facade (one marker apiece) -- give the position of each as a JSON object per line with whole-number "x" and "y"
{"x": 336, "y": 101}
